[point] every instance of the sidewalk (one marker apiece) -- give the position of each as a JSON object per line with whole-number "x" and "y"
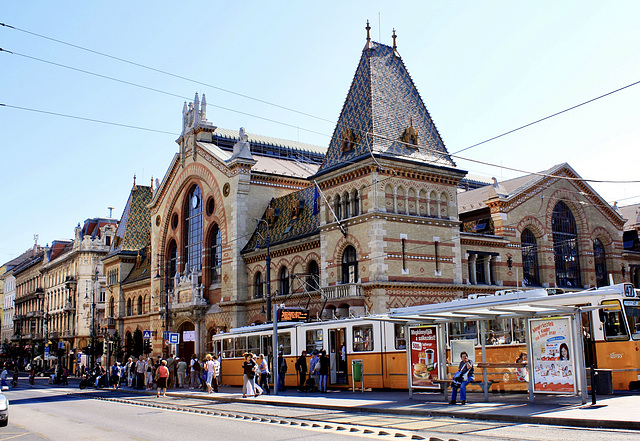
{"x": 620, "y": 411}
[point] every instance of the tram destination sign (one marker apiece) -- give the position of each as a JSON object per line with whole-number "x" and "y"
{"x": 293, "y": 315}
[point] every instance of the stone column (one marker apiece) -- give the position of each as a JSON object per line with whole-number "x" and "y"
{"x": 472, "y": 268}
{"x": 487, "y": 269}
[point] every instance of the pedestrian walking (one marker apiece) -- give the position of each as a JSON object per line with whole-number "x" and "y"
{"x": 264, "y": 373}
{"x": 181, "y": 369}
{"x": 161, "y": 377}
{"x": 314, "y": 369}
{"x": 282, "y": 371}
{"x": 3, "y": 376}
{"x": 216, "y": 373}
{"x": 171, "y": 366}
{"x": 248, "y": 377}
{"x": 16, "y": 373}
{"x": 141, "y": 370}
{"x": 209, "y": 368}
{"x": 301, "y": 368}
{"x": 194, "y": 371}
{"x": 65, "y": 376}
{"x": 115, "y": 375}
{"x": 324, "y": 370}
{"x": 148, "y": 378}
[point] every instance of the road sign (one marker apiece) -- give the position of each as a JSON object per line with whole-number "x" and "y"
{"x": 189, "y": 335}
{"x": 60, "y": 345}
{"x": 146, "y": 334}
{"x": 174, "y": 338}
{"x": 166, "y": 335}
{"x": 46, "y": 351}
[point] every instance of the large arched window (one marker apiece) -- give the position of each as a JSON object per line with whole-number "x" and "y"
{"x": 193, "y": 231}
{"x": 258, "y": 287}
{"x": 346, "y": 206}
{"x": 215, "y": 249}
{"x": 140, "y": 309}
{"x": 565, "y": 246}
{"x": 600, "y": 263}
{"x": 284, "y": 281}
{"x": 530, "y": 272}
{"x": 314, "y": 276}
{"x": 129, "y": 311}
{"x": 349, "y": 265}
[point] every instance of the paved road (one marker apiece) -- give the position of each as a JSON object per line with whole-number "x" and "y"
{"x": 62, "y": 414}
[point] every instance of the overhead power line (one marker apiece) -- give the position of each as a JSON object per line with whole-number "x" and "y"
{"x": 133, "y": 63}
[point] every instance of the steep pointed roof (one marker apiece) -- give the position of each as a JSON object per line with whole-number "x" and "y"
{"x": 384, "y": 113}
{"x": 134, "y": 230}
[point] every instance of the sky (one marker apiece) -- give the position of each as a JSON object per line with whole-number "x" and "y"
{"x": 283, "y": 69}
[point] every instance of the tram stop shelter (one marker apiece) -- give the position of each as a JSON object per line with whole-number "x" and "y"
{"x": 553, "y": 336}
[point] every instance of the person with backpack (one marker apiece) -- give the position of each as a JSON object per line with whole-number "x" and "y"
{"x": 301, "y": 368}
{"x": 194, "y": 372}
{"x": 282, "y": 370}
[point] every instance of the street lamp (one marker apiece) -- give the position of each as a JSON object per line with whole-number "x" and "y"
{"x": 167, "y": 292}
{"x": 268, "y": 271}
{"x": 92, "y": 335}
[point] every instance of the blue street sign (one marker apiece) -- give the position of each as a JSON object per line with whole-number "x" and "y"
{"x": 146, "y": 334}
{"x": 174, "y": 338}
{"x": 166, "y": 335}
{"x": 46, "y": 351}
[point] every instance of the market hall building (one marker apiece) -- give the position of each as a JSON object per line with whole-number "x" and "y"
{"x": 381, "y": 218}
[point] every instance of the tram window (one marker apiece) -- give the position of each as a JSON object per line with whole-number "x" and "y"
{"x": 614, "y": 327}
{"x": 363, "y": 338}
{"x": 241, "y": 346}
{"x": 254, "y": 344}
{"x": 463, "y": 331}
{"x": 217, "y": 348}
{"x": 227, "y": 348}
{"x": 632, "y": 309}
{"x": 498, "y": 332}
{"x": 519, "y": 330}
{"x": 314, "y": 340}
{"x": 398, "y": 332}
{"x": 284, "y": 342}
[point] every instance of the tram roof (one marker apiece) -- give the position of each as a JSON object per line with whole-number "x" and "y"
{"x": 506, "y": 304}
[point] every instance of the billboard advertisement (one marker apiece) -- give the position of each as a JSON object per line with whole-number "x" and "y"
{"x": 553, "y": 364}
{"x": 423, "y": 347}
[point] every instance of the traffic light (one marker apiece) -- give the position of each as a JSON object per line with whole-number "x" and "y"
{"x": 148, "y": 346}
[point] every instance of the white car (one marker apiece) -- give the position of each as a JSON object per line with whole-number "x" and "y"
{"x": 4, "y": 410}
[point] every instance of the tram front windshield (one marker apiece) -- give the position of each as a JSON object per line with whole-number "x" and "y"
{"x": 632, "y": 309}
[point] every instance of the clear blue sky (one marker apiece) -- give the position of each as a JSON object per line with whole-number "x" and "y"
{"x": 482, "y": 68}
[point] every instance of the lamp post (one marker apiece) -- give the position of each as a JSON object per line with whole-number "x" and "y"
{"x": 167, "y": 292}
{"x": 268, "y": 261}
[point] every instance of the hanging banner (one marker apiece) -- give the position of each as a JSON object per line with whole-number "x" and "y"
{"x": 423, "y": 344}
{"x": 553, "y": 365}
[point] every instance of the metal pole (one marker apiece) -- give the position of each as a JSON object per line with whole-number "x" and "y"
{"x": 268, "y": 277}
{"x": 166, "y": 308}
{"x": 276, "y": 374}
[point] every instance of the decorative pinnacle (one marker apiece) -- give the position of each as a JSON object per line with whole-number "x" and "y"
{"x": 368, "y": 28}
{"x": 394, "y": 40}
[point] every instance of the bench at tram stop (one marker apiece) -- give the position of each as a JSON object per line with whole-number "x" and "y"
{"x": 447, "y": 383}
{"x": 489, "y": 382}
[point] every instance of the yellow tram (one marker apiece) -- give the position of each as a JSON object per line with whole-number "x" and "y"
{"x": 611, "y": 328}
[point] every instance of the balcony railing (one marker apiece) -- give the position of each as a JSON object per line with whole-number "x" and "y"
{"x": 108, "y": 322}
{"x": 342, "y": 291}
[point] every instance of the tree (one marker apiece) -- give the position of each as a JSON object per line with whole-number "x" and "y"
{"x": 118, "y": 352}
{"x": 137, "y": 343}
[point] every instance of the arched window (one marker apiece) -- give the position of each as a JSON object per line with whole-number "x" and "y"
{"x": 140, "y": 310}
{"x": 600, "y": 263}
{"x": 173, "y": 259}
{"x": 530, "y": 274}
{"x": 193, "y": 231}
{"x": 215, "y": 249}
{"x": 346, "y": 206}
{"x": 112, "y": 307}
{"x": 337, "y": 206}
{"x": 258, "y": 287}
{"x": 349, "y": 265}
{"x": 355, "y": 203}
{"x": 129, "y": 311}
{"x": 565, "y": 246}
{"x": 284, "y": 281}
{"x": 314, "y": 276}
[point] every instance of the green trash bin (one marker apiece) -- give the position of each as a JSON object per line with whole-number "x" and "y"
{"x": 357, "y": 371}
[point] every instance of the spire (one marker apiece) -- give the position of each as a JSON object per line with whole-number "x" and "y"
{"x": 134, "y": 180}
{"x": 395, "y": 46}
{"x": 203, "y": 108}
{"x": 368, "y": 45}
{"x": 196, "y": 109}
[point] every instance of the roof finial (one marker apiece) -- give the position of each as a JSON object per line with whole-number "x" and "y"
{"x": 368, "y": 28}
{"x": 394, "y": 40}
{"x": 134, "y": 180}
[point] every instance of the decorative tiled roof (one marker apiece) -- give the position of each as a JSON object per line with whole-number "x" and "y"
{"x": 291, "y": 217}
{"x": 142, "y": 268}
{"x": 134, "y": 230}
{"x": 384, "y": 113}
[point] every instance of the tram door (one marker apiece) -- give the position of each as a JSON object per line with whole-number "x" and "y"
{"x": 337, "y": 356}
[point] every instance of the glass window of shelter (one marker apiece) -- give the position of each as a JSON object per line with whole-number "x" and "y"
{"x": 463, "y": 331}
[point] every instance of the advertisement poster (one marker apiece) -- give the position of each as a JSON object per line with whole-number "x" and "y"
{"x": 553, "y": 364}
{"x": 424, "y": 357}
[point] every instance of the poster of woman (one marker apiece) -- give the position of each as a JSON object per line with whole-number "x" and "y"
{"x": 552, "y": 361}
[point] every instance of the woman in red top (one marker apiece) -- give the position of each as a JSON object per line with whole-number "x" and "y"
{"x": 162, "y": 375}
